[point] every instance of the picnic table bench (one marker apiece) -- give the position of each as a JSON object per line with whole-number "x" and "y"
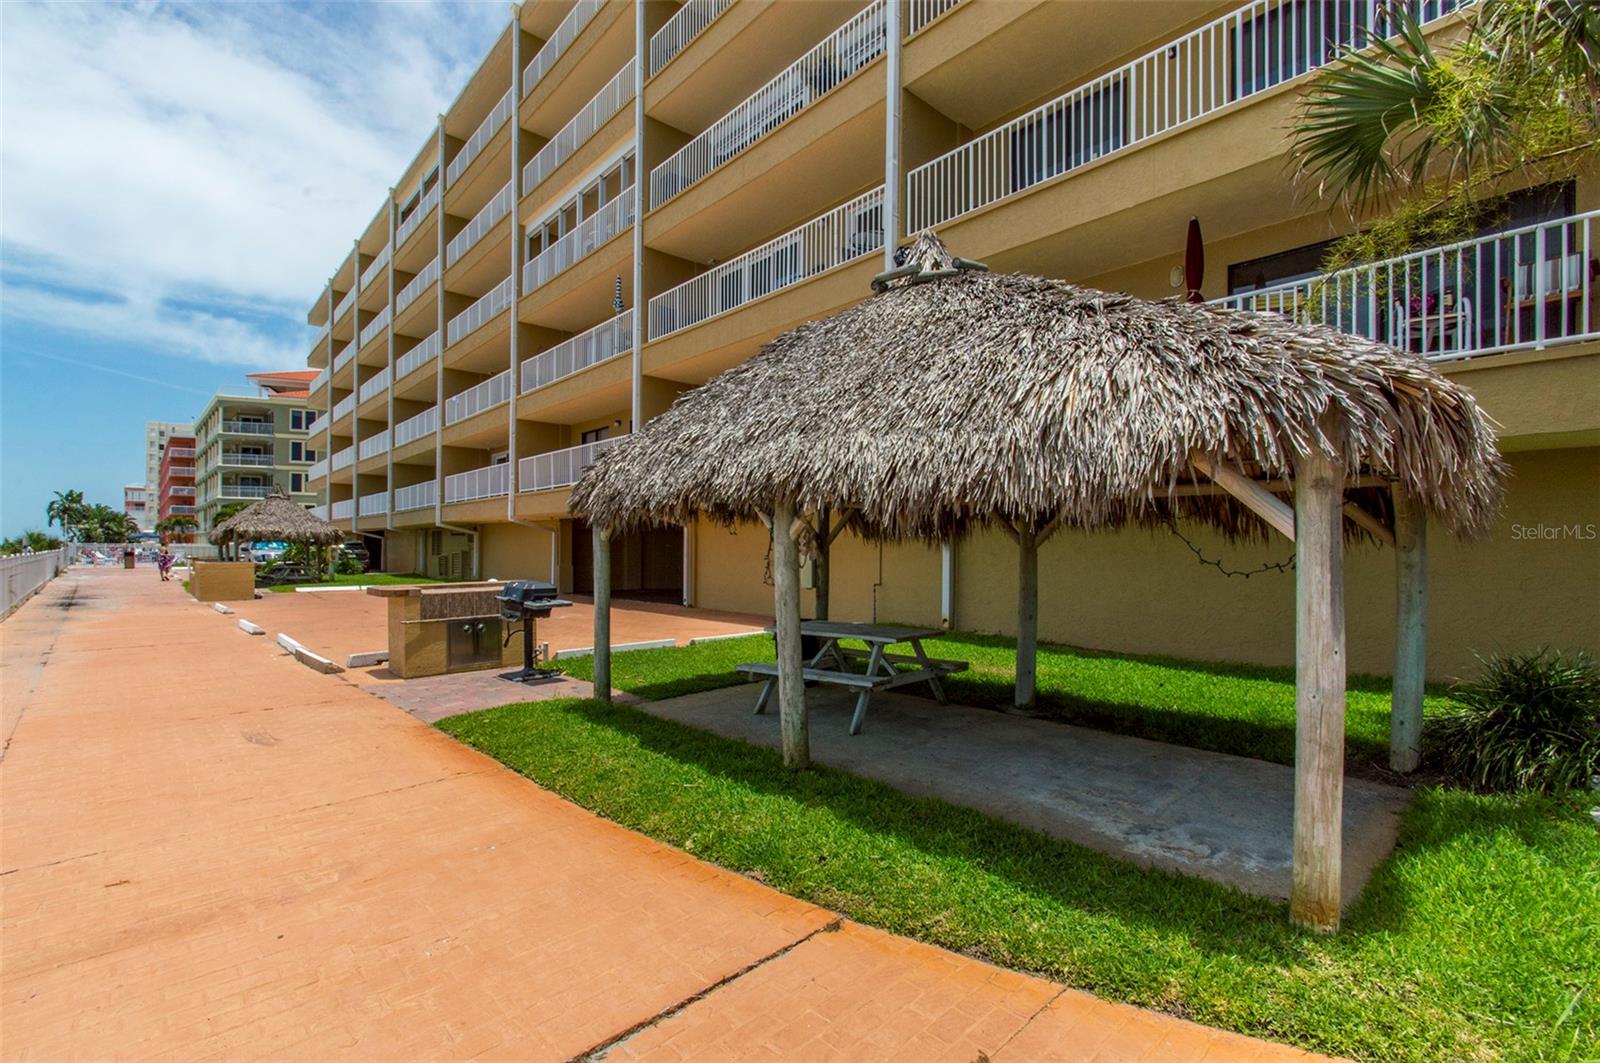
{"x": 280, "y": 573}
{"x": 829, "y": 663}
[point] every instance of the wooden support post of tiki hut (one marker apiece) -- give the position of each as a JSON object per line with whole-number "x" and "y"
{"x": 1027, "y": 614}
{"x": 819, "y": 564}
{"x": 602, "y": 615}
{"x": 786, "y": 600}
{"x": 1411, "y": 629}
{"x": 1319, "y": 686}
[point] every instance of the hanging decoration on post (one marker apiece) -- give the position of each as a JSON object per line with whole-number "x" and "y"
{"x": 616, "y": 299}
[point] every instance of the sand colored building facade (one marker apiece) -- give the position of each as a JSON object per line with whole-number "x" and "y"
{"x": 245, "y": 445}
{"x": 630, "y": 197}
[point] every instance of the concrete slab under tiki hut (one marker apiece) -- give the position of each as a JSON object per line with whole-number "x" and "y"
{"x": 1214, "y": 816}
{"x": 956, "y": 399}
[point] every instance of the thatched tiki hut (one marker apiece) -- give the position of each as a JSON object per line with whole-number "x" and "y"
{"x": 279, "y": 518}
{"x": 956, "y": 398}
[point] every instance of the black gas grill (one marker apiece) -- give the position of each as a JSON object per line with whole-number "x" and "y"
{"x": 527, "y": 601}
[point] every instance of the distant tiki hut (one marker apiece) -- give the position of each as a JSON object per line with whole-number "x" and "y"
{"x": 955, "y": 398}
{"x": 276, "y": 518}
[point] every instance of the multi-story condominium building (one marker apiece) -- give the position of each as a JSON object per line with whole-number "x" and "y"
{"x": 157, "y": 434}
{"x": 136, "y": 504}
{"x": 175, "y": 493}
{"x": 247, "y": 444}
{"x": 628, "y": 198}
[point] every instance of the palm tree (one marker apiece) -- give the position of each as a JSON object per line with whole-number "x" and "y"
{"x": 177, "y": 526}
{"x": 65, "y": 509}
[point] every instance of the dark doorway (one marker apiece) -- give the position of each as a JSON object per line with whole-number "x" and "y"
{"x": 645, "y": 566}
{"x": 374, "y": 545}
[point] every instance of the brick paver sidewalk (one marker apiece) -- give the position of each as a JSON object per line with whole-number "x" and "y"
{"x": 207, "y": 850}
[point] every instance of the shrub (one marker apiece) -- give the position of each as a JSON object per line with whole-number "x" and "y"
{"x": 1530, "y": 722}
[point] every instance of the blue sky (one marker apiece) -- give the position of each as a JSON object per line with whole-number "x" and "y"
{"x": 176, "y": 183}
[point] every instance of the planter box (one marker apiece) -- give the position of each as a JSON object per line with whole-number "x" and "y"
{"x": 223, "y": 581}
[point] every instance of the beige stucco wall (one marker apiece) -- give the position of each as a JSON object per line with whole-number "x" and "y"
{"x": 1143, "y": 591}
{"x": 512, "y": 551}
{"x": 401, "y": 552}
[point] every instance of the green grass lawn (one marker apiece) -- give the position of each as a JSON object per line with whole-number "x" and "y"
{"x": 1229, "y": 708}
{"x": 363, "y": 579}
{"x": 1477, "y": 939}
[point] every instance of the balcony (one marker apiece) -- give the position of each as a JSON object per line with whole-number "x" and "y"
{"x": 479, "y": 139}
{"x": 373, "y": 445}
{"x": 417, "y": 285}
{"x": 374, "y": 328}
{"x": 415, "y": 219}
{"x": 180, "y": 452}
{"x": 587, "y": 237}
{"x": 374, "y": 268}
{"x": 344, "y": 357}
{"x": 560, "y": 468}
{"x": 414, "y": 428}
{"x": 320, "y": 336}
{"x": 343, "y": 306}
{"x": 417, "y": 357}
{"x": 572, "y": 136}
{"x": 478, "y": 398}
{"x": 685, "y": 25}
{"x": 481, "y": 312}
{"x": 376, "y": 385}
{"x": 320, "y": 511}
{"x": 837, "y": 237}
{"x": 581, "y": 14}
{"x": 416, "y": 496}
{"x": 343, "y": 459}
{"x": 1241, "y": 54}
{"x": 1523, "y": 289}
{"x": 491, "y": 481}
{"x": 344, "y": 406}
{"x": 248, "y": 428}
{"x": 601, "y": 343}
{"x": 259, "y": 460}
{"x": 185, "y": 510}
{"x": 319, "y": 471}
{"x": 179, "y": 491}
{"x": 374, "y": 505}
{"x": 479, "y": 226}
{"x": 319, "y": 381}
{"x": 245, "y": 490}
{"x": 809, "y": 78}
{"x": 344, "y": 509}
{"x": 920, "y": 13}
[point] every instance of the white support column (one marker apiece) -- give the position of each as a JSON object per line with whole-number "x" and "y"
{"x": 641, "y": 45}
{"x": 689, "y": 546}
{"x": 602, "y": 615}
{"x": 1411, "y": 629}
{"x": 786, "y": 600}
{"x": 947, "y": 585}
{"x": 1027, "y": 614}
{"x": 388, "y": 270}
{"x": 1319, "y": 692}
{"x": 891, "y": 135}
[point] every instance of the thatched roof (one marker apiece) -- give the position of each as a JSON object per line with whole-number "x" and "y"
{"x": 973, "y": 396}
{"x": 276, "y": 517}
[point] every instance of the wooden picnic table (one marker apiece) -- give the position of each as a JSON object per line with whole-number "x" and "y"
{"x": 830, "y": 663}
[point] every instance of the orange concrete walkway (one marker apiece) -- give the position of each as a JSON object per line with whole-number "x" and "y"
{"x": 209, "y": 850}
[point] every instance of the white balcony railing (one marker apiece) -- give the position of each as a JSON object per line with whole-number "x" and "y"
{"x": 560, "y": 468}
{"x": 263, "y": 460}
{"x": 320, "y": 511}
{"x": 346, "y": 355}
{"x": 180, "y": 452}
{"x": 809, "y": 78}
{"x": 373, "y": 505}
{"x": 343, "y": 306}
{"x": 588, "y": 236}
{"x": 409, "y": 225}
{"x": 183, "y": 509}
{"x": 1525, "y": 288}
{"x": 249, "y": 428}
{"x": 344, "y": 509}
{"x": 374, "y": 385}
{"x": 605, "y": 341}
{"x": 180, "y": 470}
{"x": 481, "y": 223}
{"x": 318, "y": 470}
{"x": 580, "y": 15}
{"x": 482, "y": 396}
{"x": 416, "y": 496}
{"x": 321, "y": 335}
{"x": 491, "y": 481}
{"x": 842, "y": 234}
{"x": 181, "y": 491}
{"x": 480, "y": 139}
{"x": 343, "y": 459}
{"x": 599, "y": 110}
{"x": 414, "y": 428}
{"x": 373, "y": 445}
{"x": 685, "y": 25}
{"x": 921, "y": 12}
{"x": 245, "y": 490}
{"x": 374, "y": 268}
{"x": 374, "y": 328}
{"x": 344, "y": 406}
{"x": 319, "y": 381}
{"x": 417, "y": 357}
{"x": 481, "y": 312}
{"x": 1246, "y": 51}
{"x": 417, "y": 285}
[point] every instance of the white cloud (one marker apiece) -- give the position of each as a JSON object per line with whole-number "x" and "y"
{"x": 224, "y": 155}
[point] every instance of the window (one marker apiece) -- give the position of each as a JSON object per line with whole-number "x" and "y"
{"x": 609, "y": 186}
{"x": 297, "y": 451}
{"x": 297, "y": 482}
{"x": 1295, "y": 36}
{"x": 1068, "y": 136}
{"x": 302, "y": 420}
{"x": 594, "y": 435}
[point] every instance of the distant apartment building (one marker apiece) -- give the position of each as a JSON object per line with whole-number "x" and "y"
{"x": 136, "y": 503}
{"x": 156, "y": 436}
{"x": 246, "y": 444}
{"x": 628, "y": 198}
{"x": 175, "y": 493}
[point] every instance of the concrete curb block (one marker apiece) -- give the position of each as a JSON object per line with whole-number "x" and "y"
{"x": 251, "y": 629}
{"x": 367, "y": 660}
{"x": 219, "y": 607}
{"x": 623, "y": 647}
{"x": 332, "y": 590}
{"x": 316, "y": 662}
{"x": 725, "y": 638}
{"x": 288, "y": 643}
